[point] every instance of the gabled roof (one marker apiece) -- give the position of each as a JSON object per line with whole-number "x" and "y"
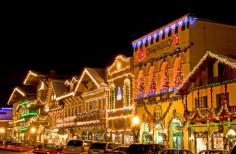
{"x": 120, "y": 63}
{"x": 59, "y": 87}
{"x": 97, "y": 75}
{"x": 208, "y": 55}
{"x": 31, "y": 77}
{"x": 22, "y": 91}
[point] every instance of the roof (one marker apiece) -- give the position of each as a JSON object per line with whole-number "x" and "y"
{"x": 59, "y": 87}
{"x": 97, "y": 75}
{"x": 208, "y": 55}
{"x": 22, "y": 91}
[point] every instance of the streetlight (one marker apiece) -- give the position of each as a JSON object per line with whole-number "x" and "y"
{"x": 135, "y": 128}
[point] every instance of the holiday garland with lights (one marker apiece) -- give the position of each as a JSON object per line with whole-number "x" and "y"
{"x": 152, "y": 85}
{"x": 141, "y": 87}
{"x": 126, "y": 93}
{"x": 179, "y": 76}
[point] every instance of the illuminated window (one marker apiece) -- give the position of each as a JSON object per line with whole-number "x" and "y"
{"x": 119, "y": 94}
{"x": 112, "y": 97}
{"x": 141, "y": 84}
{"x": 164, "y": 78}
{"x": 152, "y": 81}
{"x": 178, "y": 71}
{"x": 126, "y": 93}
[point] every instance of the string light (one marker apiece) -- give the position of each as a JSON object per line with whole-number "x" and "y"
{"x": 28, "y": 75}
{"x": 121, "y": 58}
{"x": 119, "y": 117}
{"x": 210, "y": 54}
{"x": 169, "y": 27}
{"x": 85, "y": 72}
{"x": 18, "y": 90}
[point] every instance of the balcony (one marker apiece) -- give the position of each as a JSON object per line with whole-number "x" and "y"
{"x": 232, "y": 109}
{"x": 92, "y": 115}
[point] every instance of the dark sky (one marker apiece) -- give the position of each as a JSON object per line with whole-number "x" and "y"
{"x": 69, "y": 35}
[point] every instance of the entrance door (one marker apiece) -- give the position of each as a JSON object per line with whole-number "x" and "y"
{"x": 158, "y": 138}
{"x": 177, "y": 133}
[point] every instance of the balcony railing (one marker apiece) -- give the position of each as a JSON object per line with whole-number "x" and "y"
{"x": 92, "y": 115}
{"x": 232, "y": 109}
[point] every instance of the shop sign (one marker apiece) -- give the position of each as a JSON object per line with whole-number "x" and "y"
{"x": 168, "y": 43}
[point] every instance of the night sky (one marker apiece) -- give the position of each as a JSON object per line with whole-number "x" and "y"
{"x": 68, "y": 35}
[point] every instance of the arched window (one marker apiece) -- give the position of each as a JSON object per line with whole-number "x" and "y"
{"x": 178, "y": 71}
{"x": 140, "y": 84}
{"x": 112, "y": 97}
{"x": 152, "y": 81}
{"x": 126, "y": 93}
{"x": 164, "y": 78}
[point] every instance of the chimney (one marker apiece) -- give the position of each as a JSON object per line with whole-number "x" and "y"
{"x": 52, "y": 72}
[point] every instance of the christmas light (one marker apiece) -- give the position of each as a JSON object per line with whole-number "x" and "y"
{"x": 121, "y": 58}
{"x": 91, "y": 77}
{"x": 126, "y": 93}
{"x": 166, "y": 28}
{"x": 28, "y": 75}
{"x": 210, "y": 54}
{"x": 29, "y": 114}
{"x": 64, "y": 96}
{"x": 19, "y": 91}
{"x": 119, "y": 117}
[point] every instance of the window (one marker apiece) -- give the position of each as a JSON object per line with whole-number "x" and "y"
{"x": 152, "y": 40}
{"x": 126, "y": 93}
{"x": 169, "y": 33}
{"x": 163, "y": 35}
{"x": 220, "y": 69}
{"x": 220, "y": 100}
{"x": 146, "y": 43}
{"x": 112, "y": 97}
{"x": 183, "y": 27}
{"x": 201, "y": 102}
{"x": 176, "y": 29}
{"x": 157, "y": 38}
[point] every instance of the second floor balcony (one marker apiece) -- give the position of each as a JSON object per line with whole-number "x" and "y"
{"x": 92, "y": 115}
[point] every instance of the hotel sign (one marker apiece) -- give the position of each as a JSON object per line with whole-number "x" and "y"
{"x": 170, "y": 42}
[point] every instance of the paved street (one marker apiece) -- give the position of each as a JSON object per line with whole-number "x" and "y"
{"x": 13, "y": 152}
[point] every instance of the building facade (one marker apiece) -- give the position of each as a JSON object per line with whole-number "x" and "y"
{"x": 209, "y": 103}
{"x": 162, "y": 60}
{"x": 120, "y": 109}
{"x": 85, "y": 104}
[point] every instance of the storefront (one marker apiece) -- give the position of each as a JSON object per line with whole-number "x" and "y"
{"x": 176, "y": 134}
{"x": 158, "y": 134}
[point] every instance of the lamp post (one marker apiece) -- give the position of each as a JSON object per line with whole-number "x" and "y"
{"x": 135, "y": 129}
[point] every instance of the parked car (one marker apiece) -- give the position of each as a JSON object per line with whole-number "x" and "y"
{"x": 233, "y": 151}
{"x": 145, "y": 148}
{"x": 47, "y": 149}
{"x": 78, "y": 146}
{"x": 214, "y": 152}
{"x": 175, "y": 151}
{"x": 119, "y": 150}
{"x": 102, "y": 147}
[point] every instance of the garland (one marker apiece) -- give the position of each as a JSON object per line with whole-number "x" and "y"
{"x": 178, "y": 50}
